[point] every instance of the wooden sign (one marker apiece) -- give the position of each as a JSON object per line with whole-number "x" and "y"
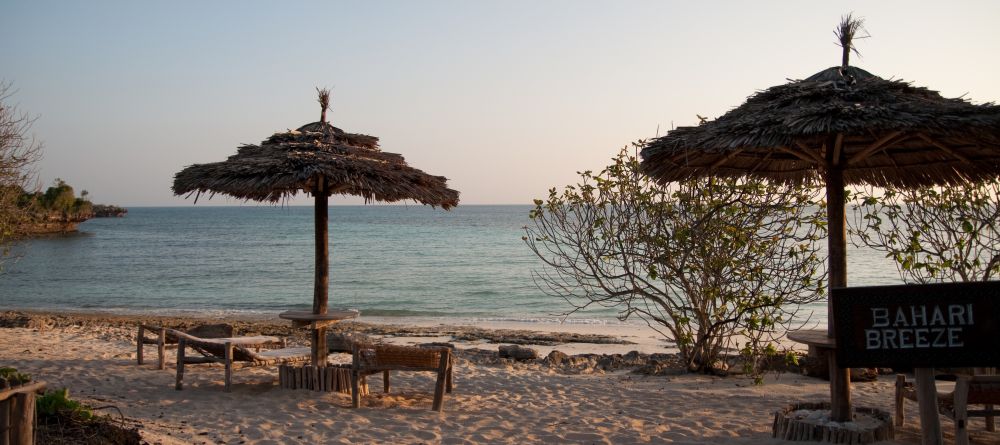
{"x": 922, "y": 326}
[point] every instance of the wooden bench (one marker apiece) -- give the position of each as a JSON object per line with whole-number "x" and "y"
{"x": 969, "y": 390}
{"x": 372, "y": 359}
{"x": 164, "y": 339}
{"x": 235, "y": 353}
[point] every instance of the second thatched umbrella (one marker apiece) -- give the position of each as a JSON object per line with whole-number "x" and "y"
{"x": 841, "y": 126}
{"x": 321, "y": 160}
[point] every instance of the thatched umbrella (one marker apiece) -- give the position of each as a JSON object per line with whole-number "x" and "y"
{"x": 841, "y": 126}
{"x": 321, "y": 160}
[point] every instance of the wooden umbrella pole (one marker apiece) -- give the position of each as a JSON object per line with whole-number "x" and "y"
{"x": 320, "y": 289}
{"x": 840, "y": 378}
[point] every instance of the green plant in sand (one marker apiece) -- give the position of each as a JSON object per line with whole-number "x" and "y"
{"x": 58, "y": 403}
{"x": 10, "y": 377}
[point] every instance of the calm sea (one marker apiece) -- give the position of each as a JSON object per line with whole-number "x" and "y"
{"x": 408, "y": 261}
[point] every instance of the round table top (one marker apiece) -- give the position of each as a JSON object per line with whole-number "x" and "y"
{"x": 329, "y": 315}
{"x": 818, "y": 338}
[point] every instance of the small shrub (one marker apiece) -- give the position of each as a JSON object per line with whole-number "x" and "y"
{"x": 57, "y": 402}
{"x": 10, "y": 377}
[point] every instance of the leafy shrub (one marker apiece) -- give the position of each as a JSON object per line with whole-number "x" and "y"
{"x": 11, "y": 377}
{"x": 57, "y": 402}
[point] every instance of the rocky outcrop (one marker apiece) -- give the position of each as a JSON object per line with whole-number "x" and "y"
{"x": 109, "y": 211}
{"x": 53, "y": 223}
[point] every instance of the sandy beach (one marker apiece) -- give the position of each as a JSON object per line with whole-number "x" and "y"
{"x": 495, "y": 401}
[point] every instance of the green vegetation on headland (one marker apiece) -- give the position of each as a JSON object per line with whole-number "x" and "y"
{"x": 59, "y": 210}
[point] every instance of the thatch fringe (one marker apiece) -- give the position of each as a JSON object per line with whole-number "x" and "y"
{"x": 893, "y": 133}
{"x": 289, "y": 162}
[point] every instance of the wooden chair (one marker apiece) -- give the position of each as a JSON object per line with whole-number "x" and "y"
{"x": 371, "y": 359}
{"x": 164, "y": 338}
{"x": 969, "y": 390}
{"x": 235, "y": 353}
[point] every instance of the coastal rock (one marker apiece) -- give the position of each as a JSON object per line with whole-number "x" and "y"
{"x": 517, "y": 352}
{"x": 12, "y": 319}
{"x": 556, "y": 358}
{"x": 109, "y": 211}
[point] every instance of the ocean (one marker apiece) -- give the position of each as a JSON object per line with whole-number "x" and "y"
{"x": 386, "y": 261}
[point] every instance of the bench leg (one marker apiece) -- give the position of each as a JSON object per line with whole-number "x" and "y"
{"x": 442, "y": 377}
{"x": 961, "y": 398}
{"x": 161, "y": 346}
{"x": 229, "y": 365}
{"x": 355, "y": 390}
{"x": 385, "y": 381}
{"x": 138, "y": 346}
{"x": 900, "y": 387}
{"x": 451, "y": 369}
{"x": 180, "y": 365}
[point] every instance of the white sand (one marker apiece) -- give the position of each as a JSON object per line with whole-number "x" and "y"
{"x": 519, "y": 404}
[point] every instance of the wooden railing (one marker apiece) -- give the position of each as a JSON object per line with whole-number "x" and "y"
{"x": 17, "y": 414}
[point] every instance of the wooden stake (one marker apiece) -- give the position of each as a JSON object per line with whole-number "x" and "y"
{"x": 229, "y": 364}
{"x": 5, "y": 421}
{"x": 22, "y": 422}
{"x": 138, "y": 346}
{"x": 441, "y": 380}
{"x": 161, "y": 349}
{"x": 180, "y": 364}
{"x": 930, "y": 424}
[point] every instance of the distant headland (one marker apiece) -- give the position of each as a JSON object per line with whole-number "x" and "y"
{"x": 59, "y": 210}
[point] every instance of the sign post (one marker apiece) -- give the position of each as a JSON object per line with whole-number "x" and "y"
{"x": 920, "y": 326}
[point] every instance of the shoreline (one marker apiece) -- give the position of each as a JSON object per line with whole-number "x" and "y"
{"x": 589, "y": 337}
{"x": 573, "y": 337}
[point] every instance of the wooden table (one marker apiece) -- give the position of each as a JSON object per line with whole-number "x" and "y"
{"x": 819, "y": 342}
{"x": 318, "y": 323}
{"x": 813, "y": 338}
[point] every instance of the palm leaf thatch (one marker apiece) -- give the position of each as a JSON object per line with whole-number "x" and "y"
{"x": 880, "y": 132}
{"x": 877, "y": 131}
{"x": 288, "y": 162}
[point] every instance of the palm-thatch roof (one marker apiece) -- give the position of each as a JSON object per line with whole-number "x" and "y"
{"x": 290, "y": 161}
{"x": 880, "y": 132}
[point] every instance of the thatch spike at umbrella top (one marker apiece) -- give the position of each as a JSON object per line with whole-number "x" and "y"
{"x": 848, "y": 30}
{"x": 324, "y": 102}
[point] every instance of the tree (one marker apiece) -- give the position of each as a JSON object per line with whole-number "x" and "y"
{"x": 59, "y": 198}
{"x": 711, "y": 264}
{"x": 936, "y": 234}
{"x": 18, "y": 152}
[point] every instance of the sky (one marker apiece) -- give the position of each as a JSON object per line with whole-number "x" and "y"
{"x": 505, "y": 98}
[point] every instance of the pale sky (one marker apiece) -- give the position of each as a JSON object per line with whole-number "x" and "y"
{"x": 505, "y": 98}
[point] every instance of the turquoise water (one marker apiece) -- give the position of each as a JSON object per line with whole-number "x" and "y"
{"x": 385, "y": 260}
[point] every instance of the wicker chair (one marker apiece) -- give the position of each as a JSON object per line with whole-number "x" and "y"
{"x": 969, "y": 390}
{"x": 370, "y": 359}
